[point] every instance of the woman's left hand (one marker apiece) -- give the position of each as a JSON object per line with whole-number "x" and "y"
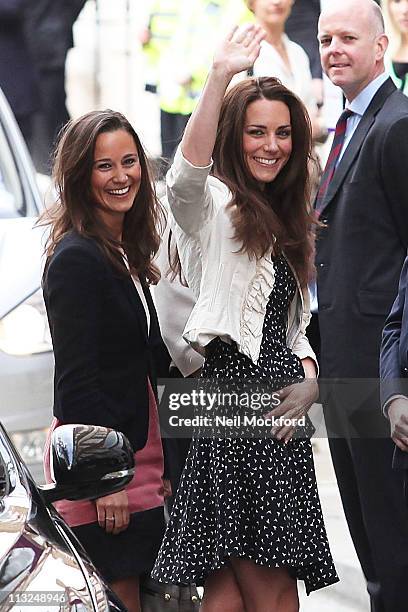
{"x": 113, "y": 512}
{"x": 295, "y": 401}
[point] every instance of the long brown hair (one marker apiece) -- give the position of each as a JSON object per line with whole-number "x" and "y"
{"x": 277, "y": 216}
{"x": 74, "y": 208}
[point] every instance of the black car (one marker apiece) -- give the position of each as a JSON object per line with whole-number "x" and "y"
{"x": 42, "y": 564}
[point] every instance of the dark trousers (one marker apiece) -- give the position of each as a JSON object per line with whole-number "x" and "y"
{"x": 54, "y": 100}
{"x": 172, "y": 126}
{"x": 372, "y": 497}
{"x": 52, "y": 116}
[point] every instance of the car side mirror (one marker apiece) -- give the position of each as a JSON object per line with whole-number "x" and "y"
{"x": 88, "y": 461}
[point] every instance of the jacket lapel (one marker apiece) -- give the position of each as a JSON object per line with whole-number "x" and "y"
{"x": 154, "y": 332}
{"x": 357, "y": 140}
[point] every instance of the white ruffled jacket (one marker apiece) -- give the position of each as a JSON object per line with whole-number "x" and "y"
{"x": 231, "y": 290}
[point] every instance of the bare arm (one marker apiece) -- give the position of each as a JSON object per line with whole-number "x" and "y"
{"x": 309, "y": 367}
{"x": 236, "y": 53}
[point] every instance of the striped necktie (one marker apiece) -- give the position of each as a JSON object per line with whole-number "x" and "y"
{"x": 332, "y": 160}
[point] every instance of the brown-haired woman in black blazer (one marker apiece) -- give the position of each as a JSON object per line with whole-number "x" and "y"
{"x": 105, "y": 331}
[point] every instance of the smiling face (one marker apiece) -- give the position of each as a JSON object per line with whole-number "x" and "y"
{"x": 398, "y": 10}
{"x": 267, "y": 139}
{"x": 352, "y": 46}
{"x": 116, "y": 175}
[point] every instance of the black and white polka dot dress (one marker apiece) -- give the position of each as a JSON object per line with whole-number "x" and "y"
{"x": 254, "y": 498}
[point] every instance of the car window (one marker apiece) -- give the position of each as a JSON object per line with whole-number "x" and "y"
{"x": 11, "y": 193}
{"x": 3, "y": 480}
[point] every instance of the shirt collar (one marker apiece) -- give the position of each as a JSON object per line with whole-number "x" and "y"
{"x": 361, "y": 102}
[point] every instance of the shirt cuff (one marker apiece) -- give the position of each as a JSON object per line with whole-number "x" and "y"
{"x": 391, "y": 399}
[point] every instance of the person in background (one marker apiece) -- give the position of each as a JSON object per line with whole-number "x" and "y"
{"x": 105, "y": 333}
{"x": 156, "y": 36}
{"x": 359, "y": 256}
{"x": 48, "y": 30}
{"x": 282, "y": 58}
{"x": 17, "y": 72}
{"x": 247, "y": 520}
{"x": 184, "y": 68}
{"x": 301, "y": 27}
{"x": 396, "y": 22}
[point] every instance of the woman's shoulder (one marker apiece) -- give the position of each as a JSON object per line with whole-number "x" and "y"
{"x": 75, "y": 242}
{"x": 73, "y": 239}
{"x": 77, "y": 250}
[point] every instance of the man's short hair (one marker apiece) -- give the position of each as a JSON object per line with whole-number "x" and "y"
{"x": 378, "y": 19}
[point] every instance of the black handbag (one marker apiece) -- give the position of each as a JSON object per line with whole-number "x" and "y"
{"x": 157, "y": 597}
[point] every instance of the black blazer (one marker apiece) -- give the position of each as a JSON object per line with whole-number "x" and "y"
{"x": 98, "y": 325}
{"x": 361, "y": 252}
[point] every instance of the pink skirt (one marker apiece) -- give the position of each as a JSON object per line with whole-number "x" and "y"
{"x": 145, "y": 491}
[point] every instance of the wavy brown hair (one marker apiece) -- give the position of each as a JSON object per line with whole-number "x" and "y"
{"x": 75, "y": 209}
{"x": 276, "y": 215}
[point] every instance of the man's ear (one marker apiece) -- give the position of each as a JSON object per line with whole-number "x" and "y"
{"x": 382, "y": 45}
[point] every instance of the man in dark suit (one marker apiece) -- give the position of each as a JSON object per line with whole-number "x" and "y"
{"x": 360, "y": 251}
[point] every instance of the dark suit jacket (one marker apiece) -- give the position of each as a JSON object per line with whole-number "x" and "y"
{"x": 394, "y": 357}
{"x": 361, "y": 252}
{"x": 103, "y": 355}
{"x": 394, "y": 346}
{"x": 17, "y": 73}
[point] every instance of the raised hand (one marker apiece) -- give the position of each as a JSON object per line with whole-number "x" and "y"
{"x": 240, "y": 49}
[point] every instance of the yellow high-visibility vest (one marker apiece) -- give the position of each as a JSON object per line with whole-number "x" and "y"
{"x": 163, "y": 21}
{"x": 201, "y": 24}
